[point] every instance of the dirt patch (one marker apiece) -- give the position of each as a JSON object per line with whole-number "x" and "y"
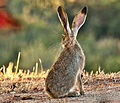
{"x": 99, "y": 88}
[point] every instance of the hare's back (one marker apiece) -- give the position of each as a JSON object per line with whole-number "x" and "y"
{"x": 62, "y": 74}
{"x": 59, "y": 80}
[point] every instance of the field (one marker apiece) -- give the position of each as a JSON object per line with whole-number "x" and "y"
{"x": 28, "y": 87}
{"x": 33, "y": 28}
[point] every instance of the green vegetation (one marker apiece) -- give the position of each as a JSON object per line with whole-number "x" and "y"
{"x": 41, "y": 33}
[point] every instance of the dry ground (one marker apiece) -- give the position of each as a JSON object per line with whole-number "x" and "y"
{"x": 99, "y": 88}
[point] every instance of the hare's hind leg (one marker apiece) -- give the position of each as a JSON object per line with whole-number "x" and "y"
{"x": 73, "y": 92}
{"x": 79, "y": 84}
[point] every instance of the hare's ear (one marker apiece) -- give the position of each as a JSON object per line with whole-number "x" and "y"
{"x": 79, "y": 20}
{"x": 64, "y": 20}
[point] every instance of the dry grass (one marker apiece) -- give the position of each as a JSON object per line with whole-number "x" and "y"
{"x": 20, "y": 74}
{"x": 25, "y": 86}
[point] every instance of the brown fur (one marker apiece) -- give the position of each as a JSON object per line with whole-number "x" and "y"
{"x": 65, "y": 73}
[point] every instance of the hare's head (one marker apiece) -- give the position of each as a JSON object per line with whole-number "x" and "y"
{"x": 69, "y": 37}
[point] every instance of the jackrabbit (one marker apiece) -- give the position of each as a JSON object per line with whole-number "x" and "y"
{"x": 64, "y": 76}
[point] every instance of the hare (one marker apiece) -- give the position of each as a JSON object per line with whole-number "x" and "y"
{"x": 64, "y": 77}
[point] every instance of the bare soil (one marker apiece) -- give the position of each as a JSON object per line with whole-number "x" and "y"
{"x": 99, "y": 88}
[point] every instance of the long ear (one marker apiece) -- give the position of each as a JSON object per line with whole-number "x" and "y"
{"x": 79, "y": 20}
{"x": 64, "y": 20}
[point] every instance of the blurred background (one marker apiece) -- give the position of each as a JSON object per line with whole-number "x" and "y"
{"x": 35, "y": 31}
